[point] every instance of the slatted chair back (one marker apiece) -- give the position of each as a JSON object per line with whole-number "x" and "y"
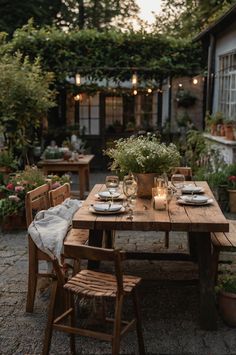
{"x": 35, "y": 201}
{"x": 58, "y": 195}
{"x": 94, "y": 284}
{"x": 184, "y": 170}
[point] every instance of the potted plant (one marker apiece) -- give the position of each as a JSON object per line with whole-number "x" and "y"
{"x": 185, "y": 98}
{"x": 226, "y": 292}
{"x": 229, "y": 129}
{"x": 7, "y": 162}
{"x": 144, "y": 156}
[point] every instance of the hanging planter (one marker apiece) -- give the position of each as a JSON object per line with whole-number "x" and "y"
{"x": 185, "y": 98}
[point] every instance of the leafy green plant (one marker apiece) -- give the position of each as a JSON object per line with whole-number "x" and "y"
{"x": 185, "y": 98}
{"x": 7, "y": 160}
{"x": 227, "y": 283}
{"x": 142, "y": 154}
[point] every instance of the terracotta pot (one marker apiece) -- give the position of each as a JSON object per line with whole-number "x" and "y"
{"x": 232, "y": 201}
{"x": 145, "y": 184}
{"x": 14, "y": 222}
{"x": 229, "y": 132}
{"x": 227, "y": 307}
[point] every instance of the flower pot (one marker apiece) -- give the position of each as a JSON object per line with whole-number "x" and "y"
{"x": 229, "y": 132}
{"x": 145, "y": 184}
{"x": 14, "y": 222}
{"x": 227, "y": 307}
{"x": 232, "y": 201}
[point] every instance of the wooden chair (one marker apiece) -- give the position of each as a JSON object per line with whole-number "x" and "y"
{"x": 81, "y": 236}
{"x": 222, "y": 242}
{"x": 98, "y": 285}
{"x": 35, "y": 201}
{"x": 59, "y": 194}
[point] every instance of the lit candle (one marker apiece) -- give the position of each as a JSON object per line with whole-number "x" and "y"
{"x": 160, "y": 202}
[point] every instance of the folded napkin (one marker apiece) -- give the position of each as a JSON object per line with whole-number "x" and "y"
{"x": 49, "y": 227}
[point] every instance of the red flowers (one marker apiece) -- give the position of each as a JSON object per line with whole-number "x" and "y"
{"x": 10, "y": 186}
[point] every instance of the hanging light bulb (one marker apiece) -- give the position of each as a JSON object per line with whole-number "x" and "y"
{"x": 77, "y": 79}
{"x": 77, "y": 97}
{"x": 135, "y": 92}
{"x": 149, "y": 90}
{"x": 134, "y": 79}
{"x": 195, "y": 81}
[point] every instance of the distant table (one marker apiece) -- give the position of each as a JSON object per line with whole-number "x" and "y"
{"x": 80, "y": 166}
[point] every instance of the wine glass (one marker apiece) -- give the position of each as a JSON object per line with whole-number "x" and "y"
{"x": 112, "y": 184}
{"x": 130, "y": 191}
{"x": 178, "y": 180}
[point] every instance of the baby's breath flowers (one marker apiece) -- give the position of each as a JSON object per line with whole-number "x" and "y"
{"x": 142, "y": 154}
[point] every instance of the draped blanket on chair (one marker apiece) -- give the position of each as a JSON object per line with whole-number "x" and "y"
{"x": 49, "y": 227}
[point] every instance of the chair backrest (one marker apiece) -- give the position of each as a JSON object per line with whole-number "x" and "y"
{"x": 184, "y": 170}
{"x": 59, "y": 194}
{"x": 35, "y": 201}
{"x": 85, "y": 252}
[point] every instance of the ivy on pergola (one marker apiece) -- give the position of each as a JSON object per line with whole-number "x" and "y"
{"x": 106, "y": 55}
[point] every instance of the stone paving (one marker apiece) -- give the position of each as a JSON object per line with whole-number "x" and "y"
{"x": 168, "y": 294}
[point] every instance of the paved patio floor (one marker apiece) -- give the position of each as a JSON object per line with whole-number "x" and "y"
{"x": 168, "y": 295}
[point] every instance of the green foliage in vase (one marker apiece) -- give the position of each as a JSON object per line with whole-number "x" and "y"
{"x": 227, "y": 283}
{"x": 142, "y": 154}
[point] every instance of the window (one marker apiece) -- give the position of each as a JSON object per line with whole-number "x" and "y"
{"x": 114, "y": 110}
{"x": 227, "y": 85}
{"x": 87, "y": 114}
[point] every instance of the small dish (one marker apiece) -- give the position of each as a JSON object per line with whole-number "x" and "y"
{"x": 107, "y": 195}
{"x": 106, "y": 208}
{"x": 191, "y": 189}
{"x": 195, "y": 200}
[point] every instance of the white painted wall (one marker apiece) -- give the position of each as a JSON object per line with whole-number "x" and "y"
{"x": 225, "y": 43}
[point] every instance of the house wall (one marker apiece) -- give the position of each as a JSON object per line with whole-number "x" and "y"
{"x": 225, "y": 43}
{"x": 195, "y": 112}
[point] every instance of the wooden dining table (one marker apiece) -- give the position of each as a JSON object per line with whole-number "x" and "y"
{"x": 80, "y": 166}
{"x": 198, "y": 221}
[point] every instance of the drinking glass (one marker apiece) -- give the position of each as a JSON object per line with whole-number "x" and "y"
{"x": 112, "y": 184}
{"x": 130, "y": 191}
{"x": 178, "y": 181}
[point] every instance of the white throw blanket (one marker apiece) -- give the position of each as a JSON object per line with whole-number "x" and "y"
{"x": 49, "y": 227}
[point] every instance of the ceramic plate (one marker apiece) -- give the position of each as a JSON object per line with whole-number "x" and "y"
{"x": 113, "y": 209}
{"x": 191, "y": 189}
{"x": 106, "y": 195}
{"x": 195, "y": 200}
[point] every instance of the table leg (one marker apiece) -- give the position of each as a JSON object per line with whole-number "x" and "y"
{"x": 208, "y": 315}
{"x": 95, "y": 240}
{"x": 81, "y": 182}
{"x": 192, "y": 245}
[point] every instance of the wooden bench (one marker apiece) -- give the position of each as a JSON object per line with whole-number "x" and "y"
{"x": 223, "y": 242}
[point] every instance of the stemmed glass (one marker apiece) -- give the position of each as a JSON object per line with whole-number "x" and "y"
{"x": 112, "y": 184}
{"x": 178, "y": 181}
{"x": 130, "y": 191}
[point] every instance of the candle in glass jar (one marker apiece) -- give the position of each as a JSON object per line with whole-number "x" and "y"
{"x": 160, "y": 202}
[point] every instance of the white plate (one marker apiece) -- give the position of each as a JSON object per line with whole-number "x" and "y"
{"x": 110, "y": 211}
{"x": 195, "y": 201}
{"x": 106, "y": 195}
{"x": 189, "y": 189}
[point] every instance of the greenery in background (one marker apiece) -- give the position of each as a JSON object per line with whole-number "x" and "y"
{"x": 186, "y": 18}
{"x": 25, "y": 99}
{"x": 7, "y": 160}
{"x": 226, "y": 283}
{"x": 92, "y": 53}
{"x": 142, "y": 154}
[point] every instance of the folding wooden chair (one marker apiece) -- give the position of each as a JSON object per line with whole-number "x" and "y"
{"x": 35, "y": 201}
{"x": 98, "y": 285}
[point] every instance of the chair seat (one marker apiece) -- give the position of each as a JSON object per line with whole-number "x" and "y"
{"x": 98, "y": 284}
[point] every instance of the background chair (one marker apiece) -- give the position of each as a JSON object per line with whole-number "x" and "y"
{"x": 56, "y": 197}
{"x": 35, "y": 201}
{"x": 94, "y": 284}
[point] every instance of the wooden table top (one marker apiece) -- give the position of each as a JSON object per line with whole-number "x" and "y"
{"x": 83, "y": 159}
{"x": 208, "y": 218}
